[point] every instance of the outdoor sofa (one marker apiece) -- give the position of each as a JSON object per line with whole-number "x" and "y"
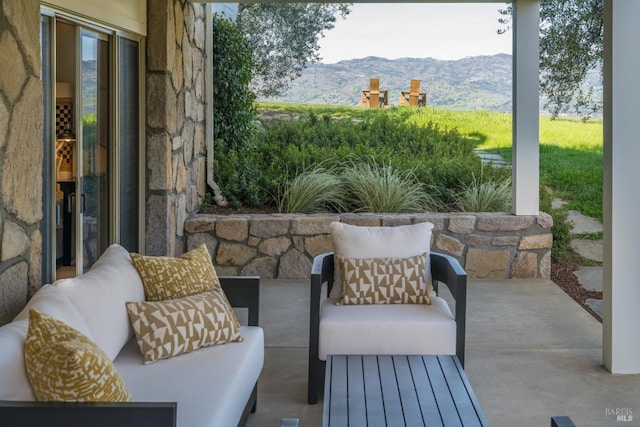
{"x": 212, "y": 386}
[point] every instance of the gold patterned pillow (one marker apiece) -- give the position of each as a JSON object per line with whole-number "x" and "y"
{"x": 384, "y": 280}
{"x": 64, "y": 365}
{"x": 167, "y": 278}
{"x": 168, "y": 328}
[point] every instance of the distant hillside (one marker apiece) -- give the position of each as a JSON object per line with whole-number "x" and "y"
{"x": 480, "y": 82}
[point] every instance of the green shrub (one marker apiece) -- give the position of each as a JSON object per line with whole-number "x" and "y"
{"x": 561, "y": 229}
{"x": 235, "y": 168}
{"x": 382, "y": 189}
{"x": 438, "y": 158}
{"x": 485, "y": 195}
{"x": 442, "y": 160}
{"x": 313, "y": 191}
{"x": 561, "y": 232}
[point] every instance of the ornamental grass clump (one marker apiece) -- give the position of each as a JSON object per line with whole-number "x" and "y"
{"x": 382, "y": 189}
{"x": 313, "y": 191}
{"x": 490, "y": 196}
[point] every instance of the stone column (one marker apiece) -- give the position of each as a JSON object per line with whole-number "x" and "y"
{"x": 175, "y": 121}
{"x": 21, "y": 115}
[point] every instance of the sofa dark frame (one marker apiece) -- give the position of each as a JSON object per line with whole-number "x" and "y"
{"x": 241, "y": 291}
{"x": 444, "y": 269}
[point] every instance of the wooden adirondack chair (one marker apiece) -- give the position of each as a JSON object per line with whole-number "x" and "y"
{"x": 374, "y": 97}
{"x": 413, "y": 97}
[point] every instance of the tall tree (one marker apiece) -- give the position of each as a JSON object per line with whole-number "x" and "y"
{"x": 571, "y": 40}
{"x": 285, "y": 39}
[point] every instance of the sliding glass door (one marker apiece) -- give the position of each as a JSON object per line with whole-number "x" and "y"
{"x": 92, "y": 205}
{"x": 51, "y": 215}
{"x": 130, "y": 144}
{"x": 92, "y": 143}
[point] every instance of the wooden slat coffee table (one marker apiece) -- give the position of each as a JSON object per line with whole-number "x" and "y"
{"x": 393, "y": 391}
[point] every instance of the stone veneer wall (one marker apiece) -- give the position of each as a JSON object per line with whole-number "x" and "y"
{"x": 21, "y": 115}
{"x": 176, "y": 158}
{"x": 488, "y": 245}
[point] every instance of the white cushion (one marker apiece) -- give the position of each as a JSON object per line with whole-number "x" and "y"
{"x": 386, "y": 329}
{"x": 54, "y": 302}
{"x": 211, "y": 385}
{"x": 14, "y": 383}
{"x": 403, "y": 241}
{"x": 100, "y": 296}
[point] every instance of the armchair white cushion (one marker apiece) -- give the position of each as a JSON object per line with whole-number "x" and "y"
{"x": 386, "y": 329}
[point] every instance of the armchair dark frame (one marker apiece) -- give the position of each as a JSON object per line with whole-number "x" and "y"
{"x": 242, "y": 292}
{"x": 444, "y": 269}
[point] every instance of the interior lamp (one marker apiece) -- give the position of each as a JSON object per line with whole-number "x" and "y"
{"x": 64, "y": 153}
{"x": 67, "y": 134}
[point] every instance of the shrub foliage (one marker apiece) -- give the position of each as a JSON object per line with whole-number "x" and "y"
{"x": 485, "y": 196}
{"x": 441, "y": 161}
{"x": 382, "y": 189}
{"x": 314, "y": 191}
{"x": 234, "y": 114}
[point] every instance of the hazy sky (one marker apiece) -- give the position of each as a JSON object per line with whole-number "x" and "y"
{"x": 417, "y": 30}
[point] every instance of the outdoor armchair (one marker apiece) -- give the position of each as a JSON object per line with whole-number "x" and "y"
{"x": 384, "y": 328}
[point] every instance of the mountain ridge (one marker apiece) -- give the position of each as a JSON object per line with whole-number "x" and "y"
{"x": 471, "y": 83}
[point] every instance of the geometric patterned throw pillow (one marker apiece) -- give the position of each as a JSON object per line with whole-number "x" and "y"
{"x": 64, "y": 365}
{"x": 384, "y": 280}
{"x": 402, "y": 241}
{"x": 168, "y": 328}
{"x": 167, "y": 278}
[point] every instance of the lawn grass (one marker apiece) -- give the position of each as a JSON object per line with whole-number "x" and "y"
{"x": 570, "y": 149}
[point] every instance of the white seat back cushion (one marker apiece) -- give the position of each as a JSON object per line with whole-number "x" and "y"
{"x": 53, "y": 302}
{"x": 211, "y": 385}
{"x": 100, "y": 296}
{"x": 14, "y": 383}
{"x": 386, "y": 329}
{"x": 403, "y": 241}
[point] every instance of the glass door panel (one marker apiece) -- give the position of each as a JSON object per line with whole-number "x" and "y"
{"x": 129, "y": 149}
{"x": 92, "y": 206}
{"x": 50, "y": 212}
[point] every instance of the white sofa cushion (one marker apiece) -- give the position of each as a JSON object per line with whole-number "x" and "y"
{"x": 100, "y": 296}
{"x": 350, "y": 241}
{"x": 386, "y": 329}
{"x": 55, "y": 303}
{"x": 210, "y": 385}
{"x": 51, "y": 301}
{"x": 14, "y": 383}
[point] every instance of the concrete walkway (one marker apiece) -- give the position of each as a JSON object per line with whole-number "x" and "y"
{"x": 532, "y": 352}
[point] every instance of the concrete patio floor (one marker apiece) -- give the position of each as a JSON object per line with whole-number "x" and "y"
{"x": 532, "y": 353}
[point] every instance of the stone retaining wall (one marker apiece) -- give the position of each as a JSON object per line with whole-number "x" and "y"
{"x": 488, "y": 245}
